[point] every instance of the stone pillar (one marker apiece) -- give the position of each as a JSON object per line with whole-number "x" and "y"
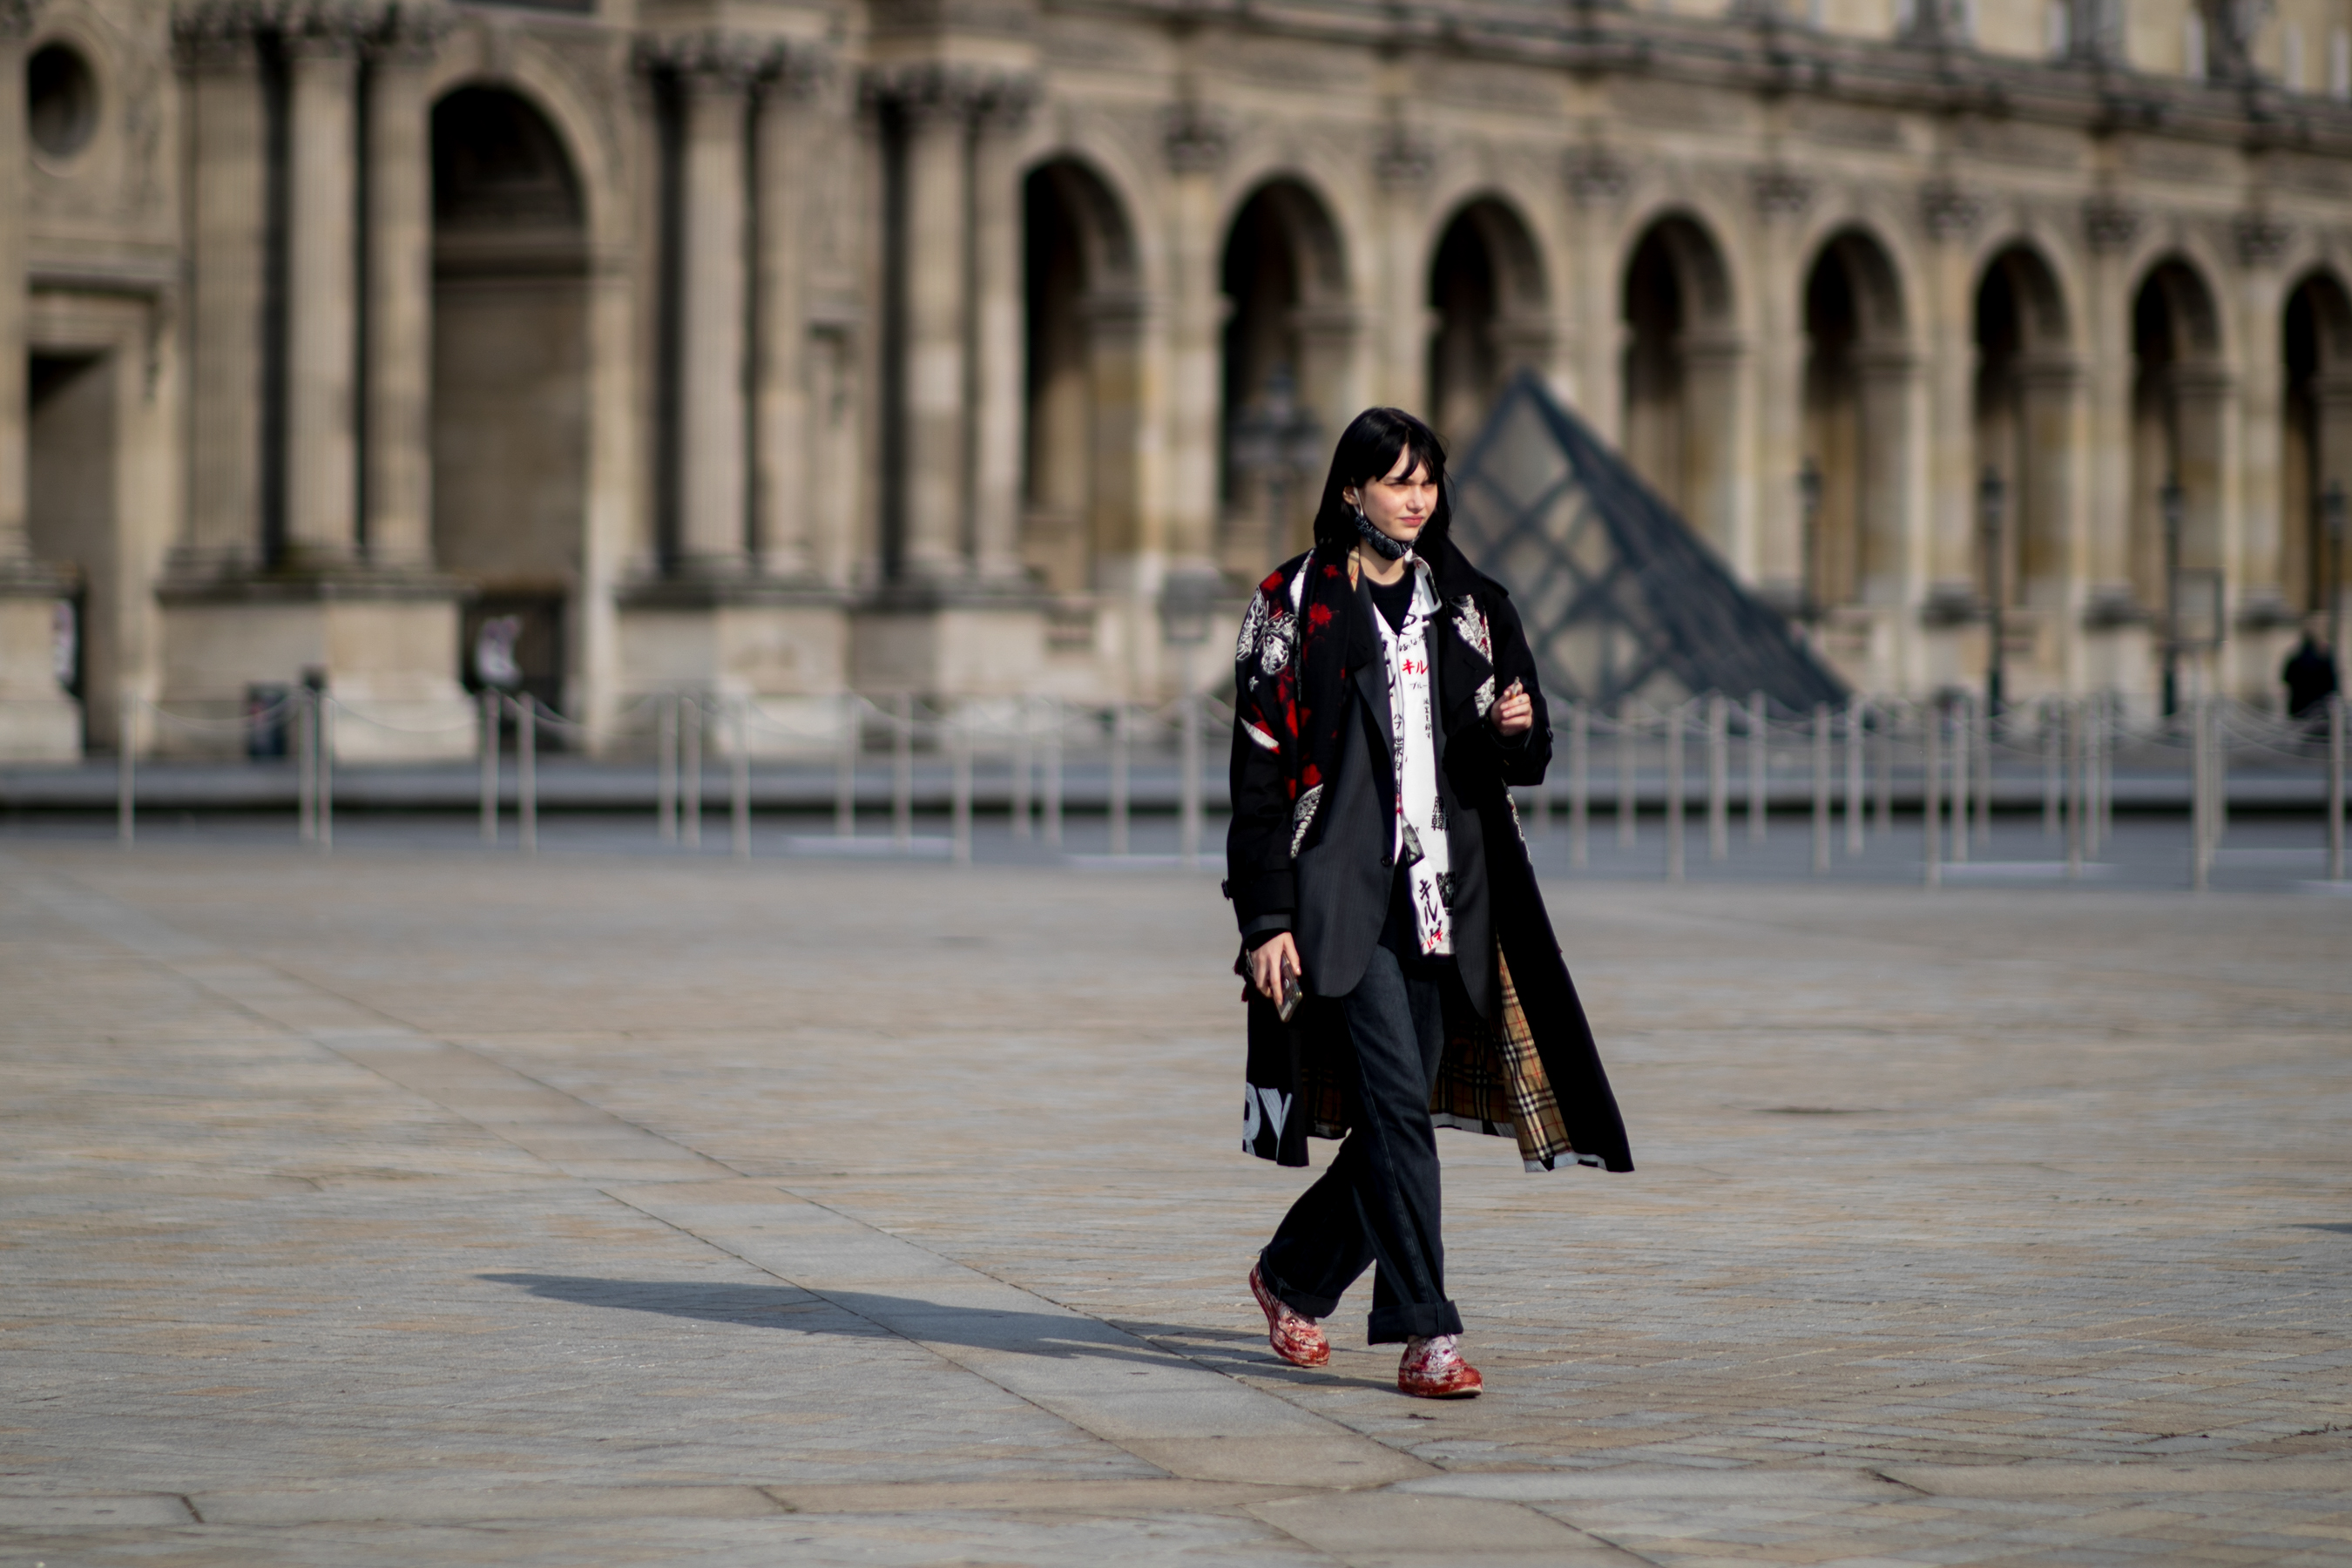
{"x": 1715, "y": 369}
{"x": 2204, "y": 399}
{"x": 713, "y": 311}
{"x": 2109, "y": 228}
{"x": 2260, "y": 558}
{"x": 781, "y": 470}
{"x": 227, "y": 240}
{"x": 1114, "y": 324}
{"x": 934, "y": 109}
{"x": 997, "y": 405}
{"x": 322, "y": 293}
{"x": 1194, "y": 144}
{"x": 398, "y": 526}
{"x": 2046, "y": 499}
{"x": 1888, "y": 378}
{"x": 15, "y": 24}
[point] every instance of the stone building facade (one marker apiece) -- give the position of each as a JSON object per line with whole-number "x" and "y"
{"x": 778, "y": 349}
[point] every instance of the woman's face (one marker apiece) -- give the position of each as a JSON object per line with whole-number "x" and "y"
{"x": 1401, "y": 502}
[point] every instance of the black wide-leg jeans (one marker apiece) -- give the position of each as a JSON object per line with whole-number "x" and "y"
{"x": 1376, "y": 1205}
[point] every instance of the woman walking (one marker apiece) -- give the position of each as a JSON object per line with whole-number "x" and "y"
{"x": 1402, "y": 972}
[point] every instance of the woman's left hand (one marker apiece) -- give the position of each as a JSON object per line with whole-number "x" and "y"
{"x": 1514, "y": 712}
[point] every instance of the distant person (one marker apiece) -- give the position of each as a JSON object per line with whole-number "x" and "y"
{"x": 2310, "y": 676}
{"x": 1402, "y": 971}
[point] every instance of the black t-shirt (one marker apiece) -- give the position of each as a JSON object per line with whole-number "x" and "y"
{"x": 1393, "y": 599}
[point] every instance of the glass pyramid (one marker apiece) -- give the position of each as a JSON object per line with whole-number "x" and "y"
{"x": 1619, "y": 596}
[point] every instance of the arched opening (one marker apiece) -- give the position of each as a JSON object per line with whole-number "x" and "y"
{"x": 1852, "y": 421}
{"x": 2025, "y": 388}
{"x": 2315, "y": 434}
{"x": 1486, "y": 292}
{"x": 509, "y": 368}
{"x": 1287, "y": 336}
{"x": 2179, "y": 396}
{"x": 1081, "y": 387}
{"x": 1681, "y": 362}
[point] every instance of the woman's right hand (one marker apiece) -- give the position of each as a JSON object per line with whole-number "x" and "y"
{"x": 1274, "y": 958}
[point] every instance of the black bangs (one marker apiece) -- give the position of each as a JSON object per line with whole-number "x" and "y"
{"x": 1368, "y": 450}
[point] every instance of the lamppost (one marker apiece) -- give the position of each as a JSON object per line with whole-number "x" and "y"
{"x": 1809, "y": 504}
{"x": 1186, "y": 599}
{"x": 2332, "y": 509}
{"x": 1273, "y": 439}
{"x": 1992, "y": 500}
{"x": 2175, "y": 507}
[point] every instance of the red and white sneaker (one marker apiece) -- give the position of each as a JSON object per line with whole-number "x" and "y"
{"x": 1434, "y": 1368}
{"x": 1297, "y": 1339}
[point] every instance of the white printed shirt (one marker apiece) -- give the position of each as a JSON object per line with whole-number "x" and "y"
{"x": 1419, "y": 843}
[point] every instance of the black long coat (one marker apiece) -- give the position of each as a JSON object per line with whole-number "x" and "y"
{"x": 1520, "y": 1060}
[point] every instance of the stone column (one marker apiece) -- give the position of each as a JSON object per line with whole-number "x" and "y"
{"x": 1193, "y": 145}
{"x": 1888, "y": 378}
{"x": 997, "y": 405}
{"x": 398, "y": 527}
{"x": 15, "y": 24}
{"x": 322, "y": 293}
{"x": 2110, "y": 228}
{"x": 935, "y": 119}
{"x": 1114, "y": 324}
{"x": 227, "y": 239}
{"x": 1715, "y": 369}
{"x": 2259, "y": 559}
{"x": 713, "y": 312}
{"x": 2046, "y": 499}
{"x": 781, "y": 470}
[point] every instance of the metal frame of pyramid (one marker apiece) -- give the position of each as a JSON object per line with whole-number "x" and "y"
{"x": 1619, "y": 596}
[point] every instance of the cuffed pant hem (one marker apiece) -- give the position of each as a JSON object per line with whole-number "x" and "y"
{"x": 1417, "y": 1320}
{"x": 1297, "y": 1301}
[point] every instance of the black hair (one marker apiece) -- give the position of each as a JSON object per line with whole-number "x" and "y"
{"x": 1368, "y": 450}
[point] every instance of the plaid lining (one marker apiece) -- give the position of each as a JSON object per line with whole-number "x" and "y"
{"x": 1488, "y": 1082}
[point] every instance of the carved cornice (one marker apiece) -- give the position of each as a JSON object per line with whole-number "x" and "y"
{"x": 215, "y": 36}
{"x": 1596, "y": 176}
{"x": 711, "y": 60}
{"x": 2261, "y": 239}
{"x": 325, "y": 29}
{"x": 2109, "y": 225}
{"x": 1193, "y": 140}
{"x": 1780, "y": 192}
{"x": 1403, "y": 161}
{"x": 1947, "y": 211}
{"x": 929, "y": 91}
{"x": 409, "y": 33}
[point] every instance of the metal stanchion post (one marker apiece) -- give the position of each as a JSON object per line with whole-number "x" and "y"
{"x": 1931, "y": 808}
{"x": 1629, "y": 756}
{"x": 1962, "y": 720}
{"x": 690, "y": 769}
{"x": 2070, "y": 717}
{"x": 1023, "y": 763}
{"x": 960, "y": 804}
{"x": 1191, "y": 835}
{"x": 489, "y": 742}
{"x": 527, "y": 774}
{"x": 1820, "y": 789}
{"x": 665, "y": 743}
{"x": 126, "y": 772}
{"x": 2111, "y": 722}
{"x": 1760, "y": 766}
{"x": 1889, "y": 722}
{"x": 1054, "y": 719}
{"x": 2335, "y": 787}
{"x": 1118, "y": 781}
{"x": 325, "y": 772}
{"x": 1543, "y": 798}
{"x": 1674, "y": 716}
{"x": 2217, "y": 752}
{"x": 902, "y": 770}
{"x": 1987, "y": 722}
{"x": 739, "y": 802}
{"x": 2201, "y": 785}
{"x": 2050, "y": 770}
{"x": 1718, "y": 777}
{"x": 306, "y": 765}
{"x": 844, "y": 769}
{"x": 1579, "y": 781}
{"x": 2094, "y": 764}
{"x": 1857, "y": 728}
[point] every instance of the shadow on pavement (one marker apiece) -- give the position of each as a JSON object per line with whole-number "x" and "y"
{"x": 1052, "y": 1334}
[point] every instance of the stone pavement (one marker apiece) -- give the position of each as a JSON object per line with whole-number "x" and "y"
{"x": 421, "y": 1206}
